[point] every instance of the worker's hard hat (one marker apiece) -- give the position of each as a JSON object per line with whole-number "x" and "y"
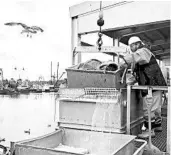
{"x": 134, "y": 39}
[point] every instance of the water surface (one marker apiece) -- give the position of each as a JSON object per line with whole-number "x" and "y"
{"x": 23, "y": 112}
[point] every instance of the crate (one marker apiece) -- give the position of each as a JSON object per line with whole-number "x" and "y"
{"x": 95, "y": 78}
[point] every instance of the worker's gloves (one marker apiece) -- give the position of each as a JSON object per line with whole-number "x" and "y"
{"x": 130, "y": 80}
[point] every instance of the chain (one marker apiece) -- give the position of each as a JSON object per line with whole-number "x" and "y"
{"x": 100, "y": 23}
{"x": 99, "y": 41}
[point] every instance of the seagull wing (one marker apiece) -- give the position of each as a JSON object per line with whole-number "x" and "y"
{"x": 37, "y": 28}
{"x": 29, "y": 31}
{"x": 14, "y": 24}
{"x": 11, "y": 24}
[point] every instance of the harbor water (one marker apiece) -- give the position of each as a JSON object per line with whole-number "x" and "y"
{"x": 24, "y": 112}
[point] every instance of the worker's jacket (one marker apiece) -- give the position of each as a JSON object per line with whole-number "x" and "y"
{"x": 149, "y": 74}
{"x": 147, "y": 70}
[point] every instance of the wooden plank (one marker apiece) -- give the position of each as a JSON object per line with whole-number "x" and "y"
{"x": 111, "y": 50}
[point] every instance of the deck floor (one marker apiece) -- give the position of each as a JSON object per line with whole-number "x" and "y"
{"x": 160, "y": 139}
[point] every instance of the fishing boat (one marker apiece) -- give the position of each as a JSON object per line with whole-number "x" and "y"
{"x": 9, "y": 91}
{"x": 23, "y": 89}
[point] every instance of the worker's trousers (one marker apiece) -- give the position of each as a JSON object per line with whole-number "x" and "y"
{"x": 155, "y": 110}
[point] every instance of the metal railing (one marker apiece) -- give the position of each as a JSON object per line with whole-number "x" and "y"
{"x": 162, "y": 88}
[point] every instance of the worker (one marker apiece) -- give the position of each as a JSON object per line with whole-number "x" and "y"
{"x": 147, "y": 72}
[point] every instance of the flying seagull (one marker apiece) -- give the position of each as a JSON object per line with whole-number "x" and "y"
{"x": 27, "y": 29}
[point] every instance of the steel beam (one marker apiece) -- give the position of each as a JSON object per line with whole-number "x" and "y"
{"x": 161, "y": 34}
{"x": 161, "y": 47}
{"x": 138, "y": 29}
{"x": 147, "y": 38}
{"x": 166, "y": 51}
{"x": 164, "y": 57}
{"x": 141, "y": 29}
{"x": 112, "y": 50}
{"x": 161, "y": 57}
{"x": 161, "y": 42}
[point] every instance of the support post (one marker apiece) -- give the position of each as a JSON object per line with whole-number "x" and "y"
{"x": 128, "y": 126}
{"x": 79, "y": 44}
{"x": 168, "y": 123}
{"x": 75, "y": 39}
{"x": 116, "y": 43}
{"x": 12, "y": 148}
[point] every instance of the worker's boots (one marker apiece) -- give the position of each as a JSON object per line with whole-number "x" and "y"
{"x": 145, "y": 134}
{"x": 158, "y": 127}
{"x": 145, "y": 131}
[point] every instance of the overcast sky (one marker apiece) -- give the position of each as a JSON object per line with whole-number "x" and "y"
{"x": 36, "y": 53}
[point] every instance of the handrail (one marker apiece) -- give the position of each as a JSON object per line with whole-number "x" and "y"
{"x": 141, "y": 148}
{"x": 162, "y": 88}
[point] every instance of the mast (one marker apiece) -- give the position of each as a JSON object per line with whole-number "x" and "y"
{"x": 57, "y": 71}
{"x": 51, "y": 72}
